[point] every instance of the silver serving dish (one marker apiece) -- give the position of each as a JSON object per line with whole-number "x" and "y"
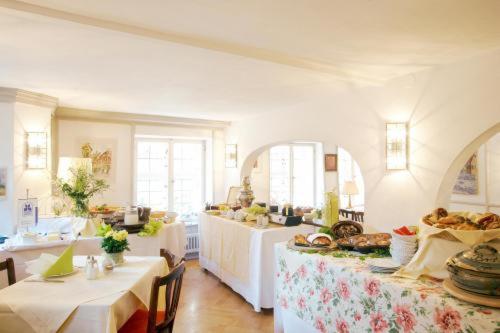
{"x": 476, "y": 270}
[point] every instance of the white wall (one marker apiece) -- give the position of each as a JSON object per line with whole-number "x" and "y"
{"x": 16, "y": 119}
{"x": 70, "y": 133}
{"x": 6, "y": 161}
{"x": 31, "y": 118}
{"x": 70, "y": 136}
{"x": 446, "y": 108}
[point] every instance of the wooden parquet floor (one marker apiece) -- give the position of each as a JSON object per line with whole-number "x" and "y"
{"x": 209, "y": 306}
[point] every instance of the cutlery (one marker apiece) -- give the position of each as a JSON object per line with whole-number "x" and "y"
{"x": 55, "y": 281}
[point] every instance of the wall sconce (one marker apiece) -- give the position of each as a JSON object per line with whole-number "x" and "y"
{"x": 231, "y": 156}
{"x": 36, "y": 150}
{"x": 396, "y": 146}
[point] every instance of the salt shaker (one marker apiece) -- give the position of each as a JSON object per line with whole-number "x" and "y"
{"x": 91, "y": 269}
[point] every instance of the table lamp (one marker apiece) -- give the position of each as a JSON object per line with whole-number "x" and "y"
{"x": 67, "y": 163}
{"x": 350, "y": 188}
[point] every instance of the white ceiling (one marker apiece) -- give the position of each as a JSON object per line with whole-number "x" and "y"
{"x": 224, "y": 60}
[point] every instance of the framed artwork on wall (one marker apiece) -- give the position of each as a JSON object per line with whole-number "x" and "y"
{"x": 467, "y": 181}
{"x": 330, "y": 162}
{"x": 231, "y": 155}
{"x": 3, "y": 183}
{"x": 102, "y": 152}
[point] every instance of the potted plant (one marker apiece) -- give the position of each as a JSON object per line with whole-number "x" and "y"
{"x": 114, "y": 243}
{"x": 80, "y": 188}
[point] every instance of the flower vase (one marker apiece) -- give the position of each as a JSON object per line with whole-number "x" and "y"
{"x": 116, "y": 258}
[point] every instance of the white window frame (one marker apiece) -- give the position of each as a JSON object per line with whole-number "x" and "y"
{"x": 171, "y": 180}
{"x": 291, "y": 180}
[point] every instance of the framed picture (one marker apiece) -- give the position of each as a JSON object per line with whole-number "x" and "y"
{"x": 102, "y": 152}
{"x": 330, "y": 162}
{"x": 467, "y": 180}
{"x": 232, "y": 195}
{"x": 3, "y": 183}
{"x": 231, "y": 156}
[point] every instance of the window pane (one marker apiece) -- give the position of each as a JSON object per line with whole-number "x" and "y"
{"x": 188, "y": 181}
{"x": 152, "y": 174}
{"x": 279, "y": 167}
{"x": 303, "y": 176}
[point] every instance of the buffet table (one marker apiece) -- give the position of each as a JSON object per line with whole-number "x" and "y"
{"x": 172, "y": 237}
{"x": 241, "y": 255}
{"x": 80, "y": 305}
{"x": 316, "y": 293}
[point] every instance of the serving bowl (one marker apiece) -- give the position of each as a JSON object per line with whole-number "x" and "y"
{"x": 476, "y": 270}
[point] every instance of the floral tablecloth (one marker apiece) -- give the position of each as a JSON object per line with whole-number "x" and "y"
{"x": 328, "y": 294}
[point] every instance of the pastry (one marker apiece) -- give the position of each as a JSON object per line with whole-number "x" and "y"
{"x": 467, "y": 226}
{"x": 439, "y": 213}
{"x": 319, "y": 239}
{"x": 300, "y": 240}
{"x": 492, "y": 225}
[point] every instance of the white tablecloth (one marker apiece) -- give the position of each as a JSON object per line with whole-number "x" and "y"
{"x": 79, "y": 305}
{"x": 245, "y": 262}
{"x": 171, "y": 236}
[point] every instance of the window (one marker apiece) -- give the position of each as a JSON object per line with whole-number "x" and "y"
{"x": 292, "y": 174}
{"x": 170, "y": 175}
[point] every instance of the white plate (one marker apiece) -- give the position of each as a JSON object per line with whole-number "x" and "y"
{"x": 383, "y": 263}
{"x": 75, "y": 270}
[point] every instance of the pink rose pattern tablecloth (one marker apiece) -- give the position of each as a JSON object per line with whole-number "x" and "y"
{"x": 342, "y": 295}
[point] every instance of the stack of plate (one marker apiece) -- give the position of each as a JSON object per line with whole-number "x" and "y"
{"x": 382, "y": 265}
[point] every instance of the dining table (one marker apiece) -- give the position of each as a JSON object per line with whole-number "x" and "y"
{"x": 171, "y": 236}
{"x": 72, "y": 303}
{"x": 241, "y": 255}
{"x": 337, "y": 292}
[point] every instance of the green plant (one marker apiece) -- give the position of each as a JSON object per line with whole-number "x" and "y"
{"x": 151, "y": 228}
{"x": 256, "y": 210}
{"x": 115, "y": 241}
{"x": 80, "y": 189}
{"x": 103, "y": 229}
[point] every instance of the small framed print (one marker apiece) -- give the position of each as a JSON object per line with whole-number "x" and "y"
{"x": 3, "y": 183}
{"x": 231, "y": 156}
{"x": 330, "y": 162}
{"x": 27, "y": 212}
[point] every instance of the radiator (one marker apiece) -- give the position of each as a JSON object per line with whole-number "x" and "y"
{"x": 193, "y": 243}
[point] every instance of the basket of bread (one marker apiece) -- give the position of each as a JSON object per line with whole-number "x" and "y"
{"x": 442, "y": 234}
{"x": 315, "y": 241}
{"x": 440, "y": 218}
{"x": 365, "y": 243}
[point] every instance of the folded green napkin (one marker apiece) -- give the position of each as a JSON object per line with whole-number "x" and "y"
{"x": 63, "y": 265}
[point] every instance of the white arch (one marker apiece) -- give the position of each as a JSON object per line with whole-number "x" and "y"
{"x": 446, "y": 187}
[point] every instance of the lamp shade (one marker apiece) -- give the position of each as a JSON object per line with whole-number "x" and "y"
{"x": 350, "y": 188}
{"x": 68, "y": 163}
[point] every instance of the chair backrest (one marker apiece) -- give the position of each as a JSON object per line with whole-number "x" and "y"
{"x": 344, "y": 212}
{"x": 359, "y": 216}
{"x": 169, "y": 256}
{"x": 173, "y": 285}
{"x": 8, "y": 265}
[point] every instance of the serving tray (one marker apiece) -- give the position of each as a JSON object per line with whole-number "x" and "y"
{"x": 449, "y": 286}
{"x": 291, "y": 245}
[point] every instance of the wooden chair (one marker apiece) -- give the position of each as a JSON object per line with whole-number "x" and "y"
{"x": 156, "y": 321}
{"x": 170, "y": 257}
{"x": 8, "y": 265}
{"x": 359, "y": 216}
{"x": 344, "y": 213}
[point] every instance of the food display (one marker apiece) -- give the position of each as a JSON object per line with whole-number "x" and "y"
{"x": 365, "y": 243}
{"x": 442, "y": 219}
{"x": 103, "y": 209}
{"x": 476, "y": 270}
{"x": 346, "y": 229}
{"x": 313, "y": 240}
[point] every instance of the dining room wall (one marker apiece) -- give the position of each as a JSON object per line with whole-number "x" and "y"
{"x": 445, "y": 107}
{"x": 21, "y": 112}
{"x": 72, "y": 132}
